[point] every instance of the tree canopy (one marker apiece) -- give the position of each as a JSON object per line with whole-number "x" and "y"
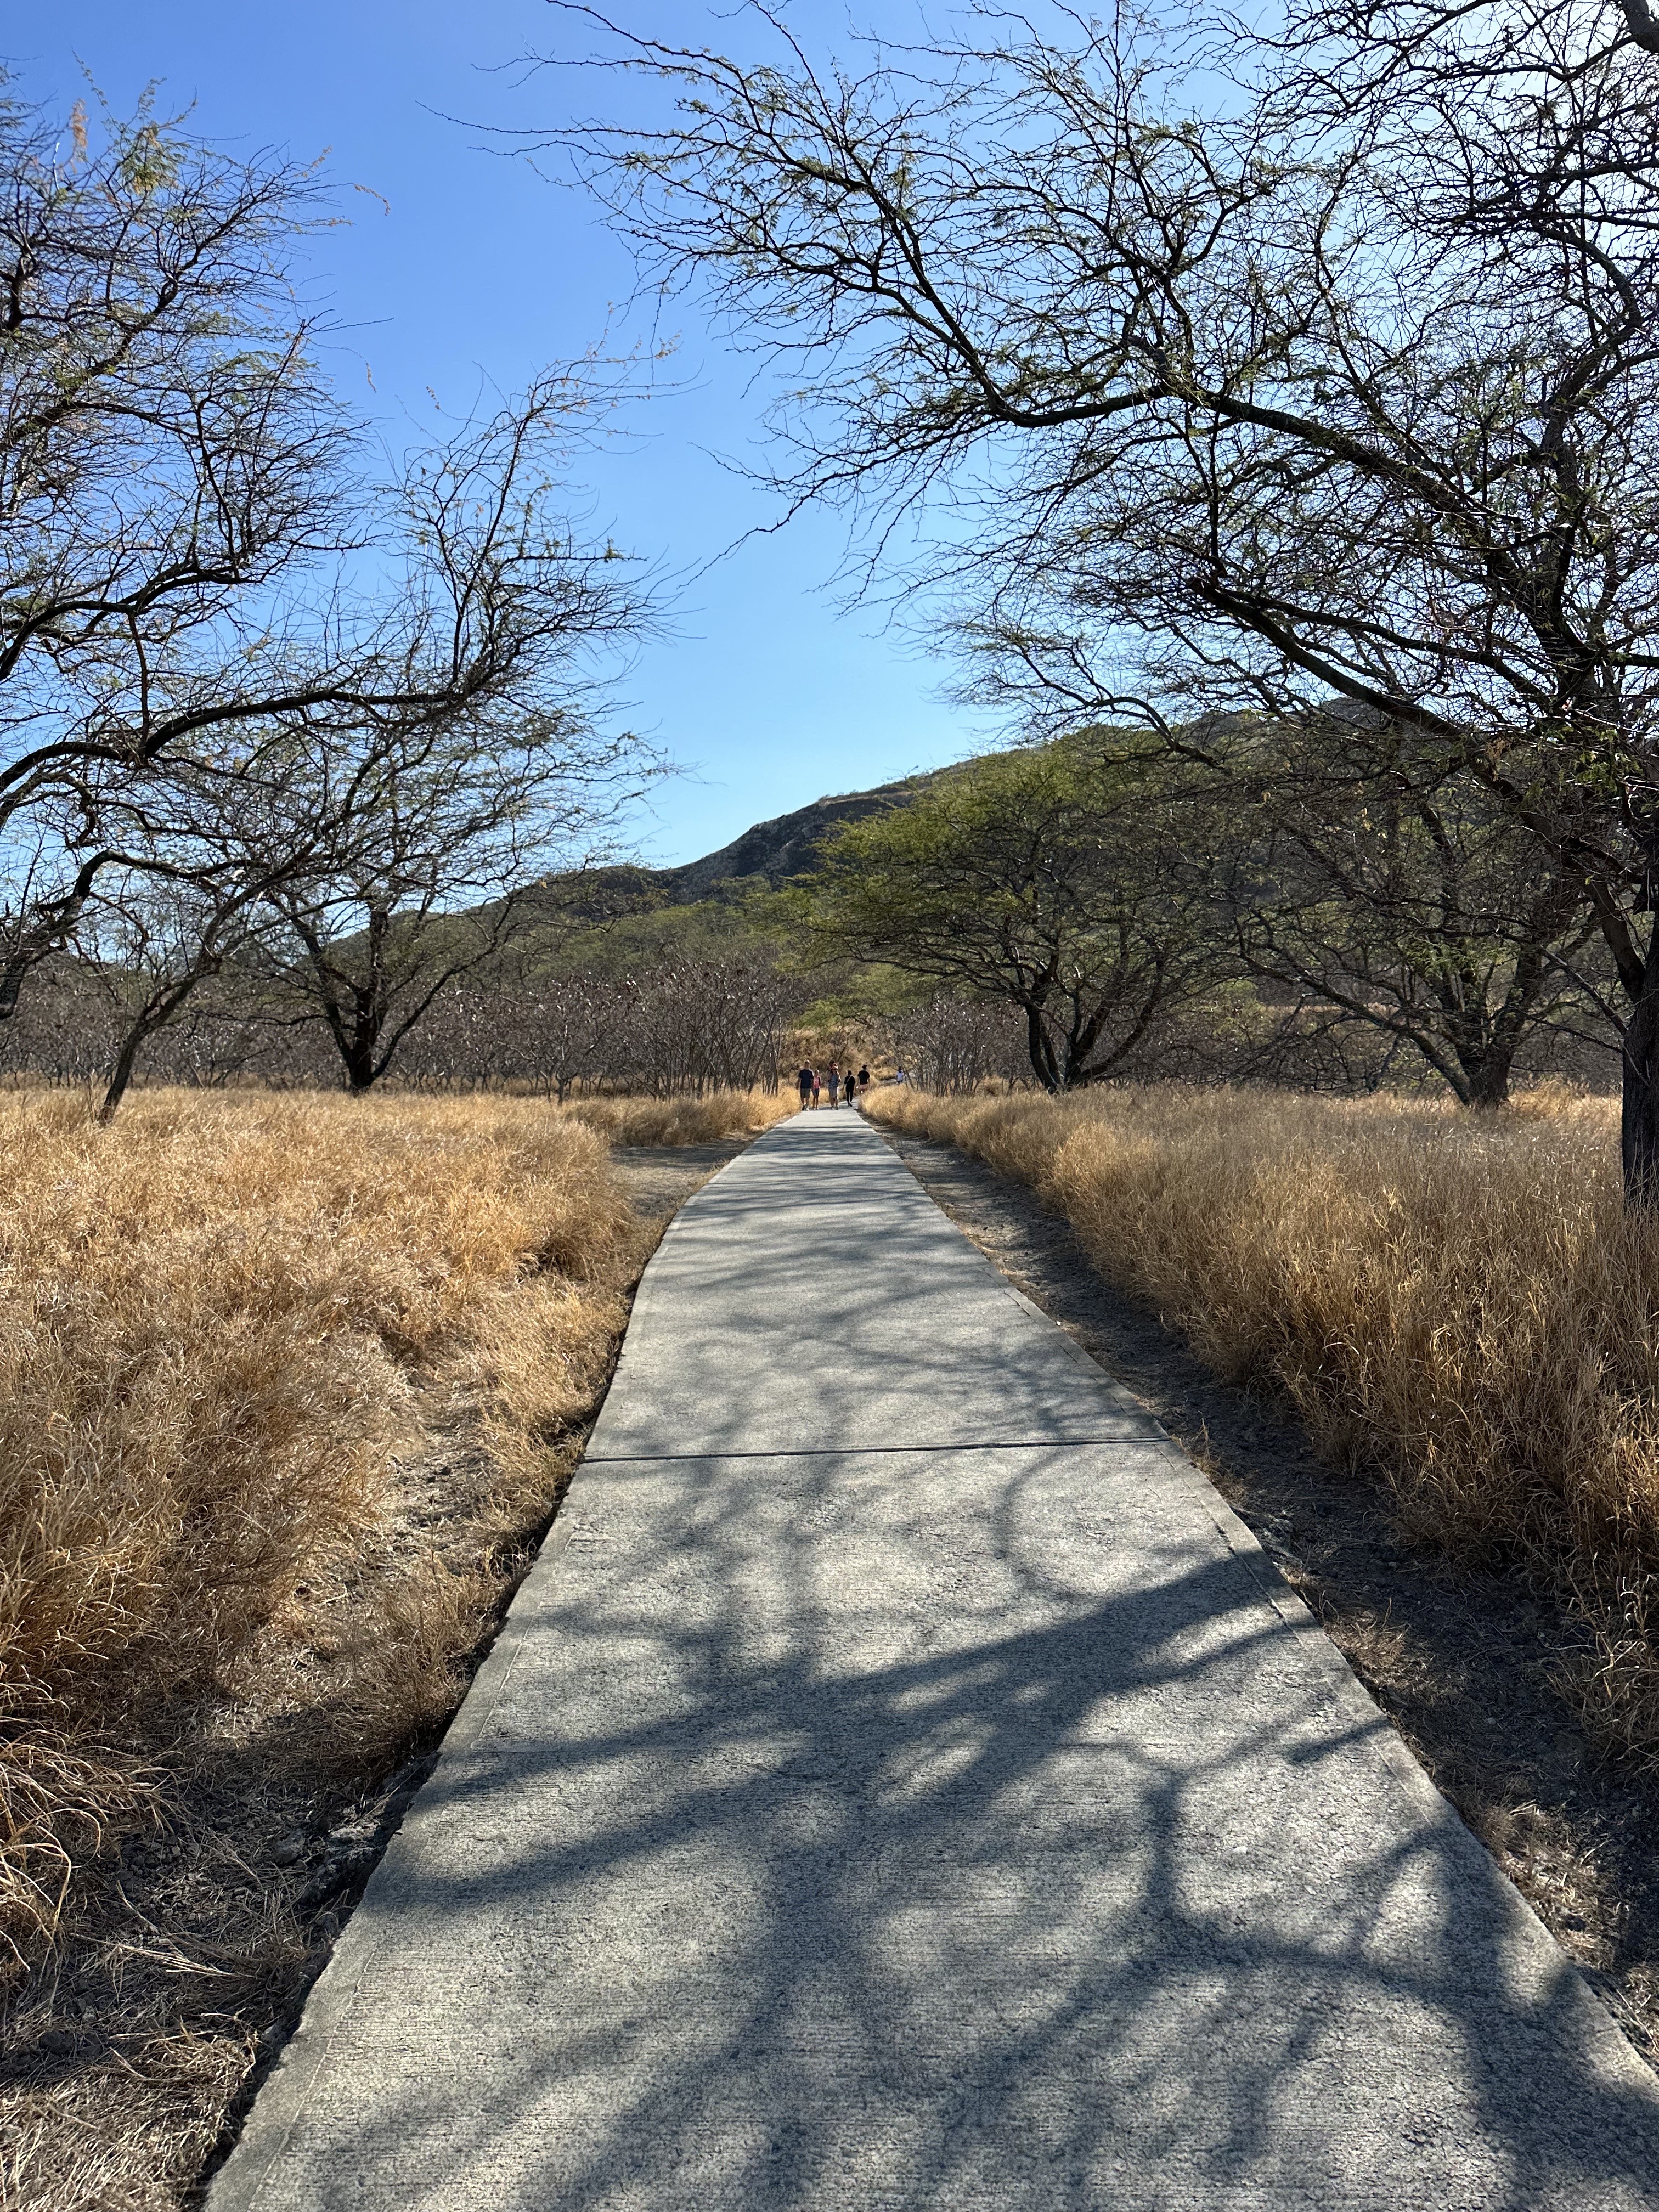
{"x": 218, "y": 608}
{"x": 1058, "y": 879}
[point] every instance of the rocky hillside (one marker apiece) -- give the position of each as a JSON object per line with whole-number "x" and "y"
{"x": 770, "y": 853}
{"x": 779, "y": 850}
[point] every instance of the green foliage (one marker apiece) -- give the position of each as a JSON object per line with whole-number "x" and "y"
{"x": 1072, "y": 878}
{"x": 1411, "y": 902}
{"x": 645, "y": 938}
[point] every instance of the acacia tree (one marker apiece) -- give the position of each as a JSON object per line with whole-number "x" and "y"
{"x": 159, "y": 939}
{"x": 1387, "y": 900}
{"x": 181, "y": 899}
{"x": 446, "y": 825}
{"x": 438, "y": 873}
{"x": 1344, "y": 390}
{"x": 200, "y": 577}
{"x": 1044, "y": 878}
{"x": 167, "y": 455}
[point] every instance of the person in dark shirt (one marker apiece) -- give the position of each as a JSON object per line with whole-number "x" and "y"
{"x": 805, "y": 1080}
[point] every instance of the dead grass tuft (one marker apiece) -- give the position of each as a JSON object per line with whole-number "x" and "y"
{"x": 1457, "y": 1305}
{"x": 681, "y": 1121}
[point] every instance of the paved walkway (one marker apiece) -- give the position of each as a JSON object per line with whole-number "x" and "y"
{"x": 909, "y": 1786}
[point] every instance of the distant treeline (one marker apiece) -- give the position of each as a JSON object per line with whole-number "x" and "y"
{"x": 687, "y": 1026}
{"x": 693, "y": 1025}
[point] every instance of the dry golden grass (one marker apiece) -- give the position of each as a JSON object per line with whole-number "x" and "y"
{"x": 165, "y": 2113}
{"x": 682, "y": 1121}
{"x": 1457, "y": 1304}
{"x": 213, "y": 1319}
{"x": 290, "y": 1386}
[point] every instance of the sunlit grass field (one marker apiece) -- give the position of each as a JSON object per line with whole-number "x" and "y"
{"x": 290, "y": 1385}
{"x": 682, "y": 1121}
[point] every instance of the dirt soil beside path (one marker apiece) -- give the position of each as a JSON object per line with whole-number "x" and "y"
{"x": 1461, "y": 1664}
{"x": 659, "y": 1178}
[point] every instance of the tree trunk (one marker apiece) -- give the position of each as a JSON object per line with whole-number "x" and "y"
{"x": 359, "y": 1043}
{"x": 154, "y": 1015}
{"x": 1639, "y": 1136}
{"x": 1041, "y": 1051}
{"x": 359, "y": 1057}
{"x": 1488, "y": 1075}
{"x": 121, "y": 1074}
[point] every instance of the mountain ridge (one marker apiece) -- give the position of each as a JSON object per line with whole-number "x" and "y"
{"x": 768, "y": 853}
{"x": 776, "y": 849}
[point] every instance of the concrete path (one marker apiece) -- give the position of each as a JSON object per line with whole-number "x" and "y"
{"x": 907, "y": 1786}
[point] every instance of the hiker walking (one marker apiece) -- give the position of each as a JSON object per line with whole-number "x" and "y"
{"x": 864, "y": 1079}
{"x": 805, "y": 1080}
{"x": 835, "y": 1086}
{"x": 815, "y": 1087}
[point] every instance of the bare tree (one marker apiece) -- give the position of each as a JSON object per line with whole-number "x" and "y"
{"x": 683, "y": 1025}
{"x": 201, "y": 849}
{"x": 160, "y": 939}
{"x": 553, "y": 1032}
{"x": 200, "y": 575}
{"x": 167, "y": 456}
{"x": 708, "y": 1025}
{"x": 570, "y": 1028}
{"x": 66, "y": 1031}
{"x": 446, "y": 826}
{"x": 956, "y": 1044}
{"x": 1348, "y": 389}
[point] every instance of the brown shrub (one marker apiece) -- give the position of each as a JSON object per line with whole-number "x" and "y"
{"x": 1457, "y": 1304}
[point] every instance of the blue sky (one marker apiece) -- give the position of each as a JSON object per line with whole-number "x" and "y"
{"x": 768, "y": 695}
